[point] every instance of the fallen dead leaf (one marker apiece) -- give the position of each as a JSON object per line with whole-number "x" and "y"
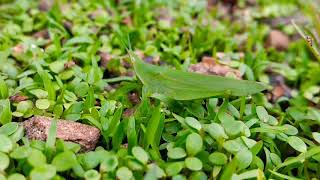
{"x": 18, "y": 98}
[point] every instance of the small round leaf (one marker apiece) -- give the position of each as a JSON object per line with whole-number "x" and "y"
{"x": 176, "y": 153}
{"x": 192, "y": 122}
{"x": 21, "y": 152}
{"x": 174, "y": 168}
{"x": 4, "y": 161}
{"x": 45, "y": 171}
{"x": 218, "y": 158}
{"x": 109, "y": 164}
{"x": 37, "y": 158}
{"x": 193, "y": 163}
{"x": 124, "y": 173}
{"x": 92, "y": 175}
{"x": 5, "y": 144}
{"x": 262, "y": 114}
{"x": 64, "y": 161}
{"x": 42, "y": 104}
{"x": 140, "y": 154}
{"x": 194, "y": 144}
{"x": 16, "y": 176}
{"x": 297, "y": 144}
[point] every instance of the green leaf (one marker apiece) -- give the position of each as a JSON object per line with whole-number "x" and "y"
{"x": 47, "y": 83}
{"x": 5, "y": 112}
{"x": 218, "y": 158}
{"x": 316, "y": 136}
{"x": 24, "y": 106}
{"x": 152, "y": 126}
{"x": 140, "y": 154}
{"x": 282, "y": 176}
{"x": 44, "y": 171}
{"x": 297, "y": 144}
{"x": 193, "y": 163}
{"x": 174, "y": 168}
{"x": 230, "y": 169}
{"x": 181, "y": 85}
{"x": 109, "y": 164}
{"x": 176, "y": 153}
{"x": 124, "y": 173}
{"x": 90, "y": 100}
{"x": 255, "y": 173}
{"x": 244, "y": 158}
{"x": 21, "y": 152}
{"x": 51, "y": 139}
{"x": 16, "y": 136}
{"x": 192, "y": 122}
{"x": 290, "y": 130}
{"x": 42, "y": 104}
{"x": 4, "y": 91}
{"x": 6, "y": 144}
{"x": 131, "y": 133}
{"x": 194, "y": 144}
{"x": 64, "y": 161}
{"x": 57, "y": 66}
{"x": 16, "y": 176}
{"x": 37, "y": 158}
{"x": 4, "y": 161}
{"x": 154, "y": 171}
{"x": 262, "y": 114}
{"x": 92, "y": 175}
{"x": 216, "y": 131}
{"x": 303, "y": 156}
{"x": 79, "y": 40}
{"x": 9, "y": 128}
{"x": 39, "y": 93}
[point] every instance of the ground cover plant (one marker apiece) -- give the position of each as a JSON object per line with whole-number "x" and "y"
{"x": 159, "y": 89}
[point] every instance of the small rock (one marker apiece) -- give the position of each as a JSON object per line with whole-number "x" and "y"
{"x": 68, "y": 25}
{"x": 43, "y": 34}
{"x": 134, "y": 98}
{"x": 129, "y": 112}
{"x": 18, "y": 49}
{"x": 209, "y": 66}
{"x": 85, "y": 135}
{"x": 278, "y": 40}
{"x": 45, "y": 5}
{"x": 127, "y": 21}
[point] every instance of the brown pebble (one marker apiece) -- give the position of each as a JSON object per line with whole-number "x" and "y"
{"x": 45, "y": 5}
{"x": 278, "y": 40}
{"x": 43, "y": 34}
{"x": 87, "y": 136}
{"x": 209, "y": 66}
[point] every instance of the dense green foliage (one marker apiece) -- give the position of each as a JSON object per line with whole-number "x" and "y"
{"x": 66, "y": 60}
